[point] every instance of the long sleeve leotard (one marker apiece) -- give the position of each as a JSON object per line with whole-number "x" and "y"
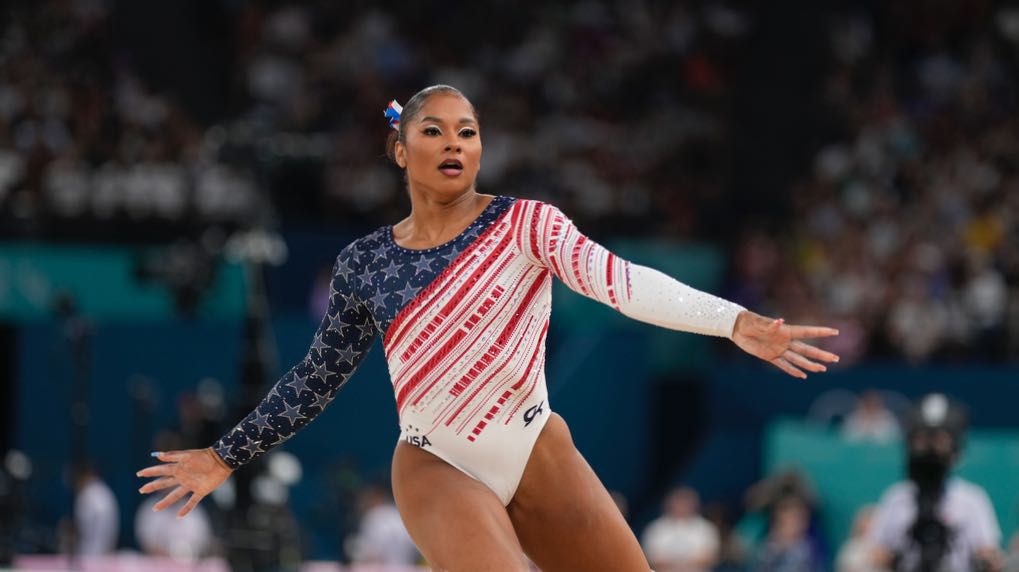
{"x": 463, "y": 327}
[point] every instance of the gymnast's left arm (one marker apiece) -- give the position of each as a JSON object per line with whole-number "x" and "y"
{"x": 648, "y": 295}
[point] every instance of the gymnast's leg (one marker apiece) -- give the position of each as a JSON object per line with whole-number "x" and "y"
{"x": 456, "y": 522}
{"x": 564, "y": 517}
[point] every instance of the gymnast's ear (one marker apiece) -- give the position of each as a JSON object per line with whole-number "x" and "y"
{"x": 395, "y": 149}
{"x": 400, "y": 154}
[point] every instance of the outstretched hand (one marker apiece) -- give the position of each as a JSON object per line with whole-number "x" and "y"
{"x": 195, "y": 471}
{"x": 779, "y": 344}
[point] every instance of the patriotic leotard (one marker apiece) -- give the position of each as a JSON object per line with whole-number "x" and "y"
{"x": 463, "y": 327}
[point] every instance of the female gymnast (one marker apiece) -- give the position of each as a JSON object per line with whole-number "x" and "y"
{"x": 484, "y": 472}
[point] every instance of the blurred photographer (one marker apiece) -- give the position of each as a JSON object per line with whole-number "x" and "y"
{"x": 933, "y": 522}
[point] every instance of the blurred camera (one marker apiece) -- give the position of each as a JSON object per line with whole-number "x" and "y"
{"x": 935, "y": 432}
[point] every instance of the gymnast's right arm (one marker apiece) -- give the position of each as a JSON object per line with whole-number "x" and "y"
{"x": 340, "y": 344}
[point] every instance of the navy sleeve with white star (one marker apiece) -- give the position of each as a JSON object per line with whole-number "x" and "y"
{"x": 341, "y": 342}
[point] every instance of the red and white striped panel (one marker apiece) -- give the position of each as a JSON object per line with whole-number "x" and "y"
{"x": 470, "y": 348}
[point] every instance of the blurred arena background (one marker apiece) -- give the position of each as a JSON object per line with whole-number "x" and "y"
{"x": 177, "y": 176}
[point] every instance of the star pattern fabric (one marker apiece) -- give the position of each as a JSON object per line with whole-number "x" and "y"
{"x": 373, "y": 279}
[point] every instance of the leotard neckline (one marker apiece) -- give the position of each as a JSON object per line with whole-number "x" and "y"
{"x": 388, "y": 230}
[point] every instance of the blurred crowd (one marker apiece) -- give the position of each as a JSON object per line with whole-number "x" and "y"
{"x": 613, "y": 110}
{"x": 904, "y": 231}
{"x": 575, "y": 105}
{"x": 84, "y": 143}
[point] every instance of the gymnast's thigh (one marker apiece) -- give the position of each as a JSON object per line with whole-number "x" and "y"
{"x": 564, "y": 517}
{"x": 457, "y": 523}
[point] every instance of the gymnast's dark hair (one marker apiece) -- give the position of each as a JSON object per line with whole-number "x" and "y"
{"x": 413, "y": 108}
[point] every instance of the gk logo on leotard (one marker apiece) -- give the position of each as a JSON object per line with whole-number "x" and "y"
{"x": 418, "y": 440}
{"x": 533, "y": 412}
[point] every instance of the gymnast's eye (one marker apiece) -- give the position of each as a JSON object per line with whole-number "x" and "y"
{"x": 468, "y": 132}
{"x": 431, "y": 131}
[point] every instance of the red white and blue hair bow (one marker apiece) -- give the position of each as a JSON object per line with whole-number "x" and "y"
{"x": 392, "y": 113}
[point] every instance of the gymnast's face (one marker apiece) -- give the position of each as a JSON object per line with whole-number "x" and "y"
{"x": 442, "y": 152}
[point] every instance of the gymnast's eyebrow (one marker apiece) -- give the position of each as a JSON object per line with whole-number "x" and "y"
{"x": 437, "y": 120}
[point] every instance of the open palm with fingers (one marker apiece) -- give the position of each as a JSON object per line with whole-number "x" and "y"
{"x": 195, "y": 471}
{"x": 779, "y": 344}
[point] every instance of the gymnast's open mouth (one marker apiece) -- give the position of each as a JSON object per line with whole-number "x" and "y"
{"x": 451, "y": 167}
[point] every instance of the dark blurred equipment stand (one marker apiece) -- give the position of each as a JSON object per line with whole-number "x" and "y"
{"x": 77, "y": 334}
{"x": 15, "y": 471}
{"x": 187, "y": 268}
{"x": 11, "y": 495}
{"x": 8, "y": 359}
{"x": 259, "y": 535}
{"x": 262, "y": 535}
